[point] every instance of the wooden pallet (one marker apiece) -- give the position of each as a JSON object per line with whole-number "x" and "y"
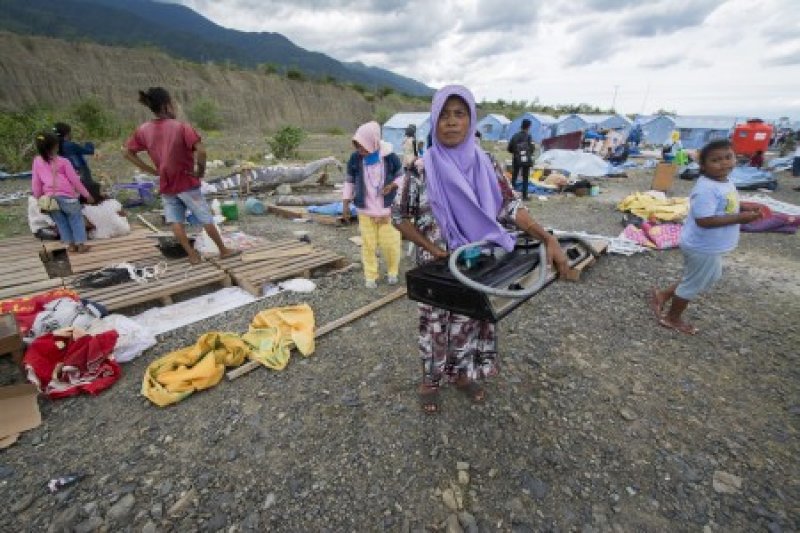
{"x": 276, "y": 261}
{"x": 132, "y": 248}
{"x": 179, "y": 277}
{"x": 22, "y": 272}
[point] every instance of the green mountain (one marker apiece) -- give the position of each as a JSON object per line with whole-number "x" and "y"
{"x": 183, "y": 33}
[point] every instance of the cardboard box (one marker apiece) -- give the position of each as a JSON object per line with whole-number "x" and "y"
{"x": 664, "y": 177}
{"x": 19, "y": 411}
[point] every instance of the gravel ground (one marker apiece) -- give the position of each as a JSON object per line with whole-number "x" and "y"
{"x": 600, "y": 419}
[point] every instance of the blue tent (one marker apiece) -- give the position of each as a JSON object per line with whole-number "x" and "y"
{"x": 607, "y": 122}
{"x": 570, "y": 123}
{"x": 541, "y": 125}
{"x": 493, "y": 127}
{"x": 394, "y": 130}
{"x": 696, "y": 131}
{"x": 656, "y": 129}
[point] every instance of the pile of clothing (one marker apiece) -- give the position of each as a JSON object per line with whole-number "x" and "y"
{"x": 73, "y": 345}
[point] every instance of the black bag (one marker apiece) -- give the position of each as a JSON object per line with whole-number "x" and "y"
{"x": 103, "y": 278}
{"x": 522, "y": 152}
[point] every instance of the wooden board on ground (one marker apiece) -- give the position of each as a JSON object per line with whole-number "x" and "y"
{"x": 29, "y": 289}
{"x": 330, "y": 326}
{"x": 330, "y": 220}
{"x": 289, "y": 212}
{"x": 278, "y": 260}
{"x": 179, "y": 277}
{"x": 22, "y": 272}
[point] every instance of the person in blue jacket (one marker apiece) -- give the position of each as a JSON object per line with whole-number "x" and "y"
{"x": 75, "y": 153}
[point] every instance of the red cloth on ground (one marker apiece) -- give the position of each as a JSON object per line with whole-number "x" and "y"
{"x": 26, "y": 309}
{"x": 82, "y": 365}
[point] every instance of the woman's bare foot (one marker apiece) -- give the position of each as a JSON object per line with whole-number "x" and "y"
{"x": 72, "y": 248}
{"x": 195, "y": 259}
{"x": 82, "y": 248}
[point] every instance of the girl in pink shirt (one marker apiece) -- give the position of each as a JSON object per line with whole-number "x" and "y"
{"x": 373, "y": 175}
{"x": 54, "y": 176}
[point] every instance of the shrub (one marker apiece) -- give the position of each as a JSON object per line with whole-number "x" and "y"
{"x": 295, "y": 74}
{"x": 286, "y": 141}
{"x": 17, "y": 131}
{"x": 95, "y": 120}
{"x": 204, "y": 114}
{"x": 382, "y": 115}
{"x": 358, "y": 88}
{"x": 268, "y": 68}
{"x": 385, "y": 91}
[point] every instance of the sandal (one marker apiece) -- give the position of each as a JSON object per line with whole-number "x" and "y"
{"x": 474, "y": 390}
{"x": 681, "y": 327}
{"x": 429, "y": 401}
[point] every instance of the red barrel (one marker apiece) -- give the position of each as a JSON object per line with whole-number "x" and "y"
{"x": 751, "y": 137}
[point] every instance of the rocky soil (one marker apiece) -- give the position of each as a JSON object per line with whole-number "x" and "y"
{"x": 600, "y": 420}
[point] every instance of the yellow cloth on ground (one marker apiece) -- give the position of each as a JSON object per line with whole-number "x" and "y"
{"x": 648, "y": 207}
{"x": 274, "y": 332}
{"x": 175, "y": 376}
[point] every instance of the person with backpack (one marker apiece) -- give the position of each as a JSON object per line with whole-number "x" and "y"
{"x": 521, "y": 148}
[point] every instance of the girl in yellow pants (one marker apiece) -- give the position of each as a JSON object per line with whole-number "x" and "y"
{"x": 379, "y": 232}
{"x": 373, "y": 176}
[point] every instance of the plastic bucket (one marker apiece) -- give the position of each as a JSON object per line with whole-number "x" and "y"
{"x": 254, "y": 206}
{"x": 594, "y": 190}
{"x": 230, "y": 210}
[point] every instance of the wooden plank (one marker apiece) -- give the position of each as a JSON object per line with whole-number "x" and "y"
{"x": 287, "y": 212}
{"x": 250, "y": 257}
{"x": 29, "y": 289}
{"x": 133, "y": 293}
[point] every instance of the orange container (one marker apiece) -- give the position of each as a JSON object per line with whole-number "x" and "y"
{"x": 751, "y": 137}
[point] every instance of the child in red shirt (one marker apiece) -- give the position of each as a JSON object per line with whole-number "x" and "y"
{"x": 175, "y": 149}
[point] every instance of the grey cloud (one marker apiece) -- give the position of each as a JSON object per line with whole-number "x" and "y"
{"x": 594, "y": 45}
{"x": 610, "y": 5}
{"x": 501, "y": 15}
{"x": 668, "y": 18}
{"x": 791, "y": 58}
{"x": 662, "y": 62}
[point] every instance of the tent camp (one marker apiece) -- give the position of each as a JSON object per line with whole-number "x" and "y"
{"x": 493, "y": 127}
{"x": 696, "y": 131}
{"x": 394, "y": 130}
{"x": 656, "y": 129}
{"x": 607, "y": 122}
{"x": 541, "y": 125}
{"x": 570, "y": 123}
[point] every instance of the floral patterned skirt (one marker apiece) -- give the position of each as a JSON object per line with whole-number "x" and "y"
{"x": 452, "y": 345}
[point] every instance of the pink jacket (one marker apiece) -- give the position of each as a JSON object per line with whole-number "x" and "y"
{"x": 67, "y": 182}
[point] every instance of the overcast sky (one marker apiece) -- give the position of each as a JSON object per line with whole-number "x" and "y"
{"x": 734, "y": 57}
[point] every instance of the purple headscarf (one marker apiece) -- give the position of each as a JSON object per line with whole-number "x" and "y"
{"x": 462, "y": 184}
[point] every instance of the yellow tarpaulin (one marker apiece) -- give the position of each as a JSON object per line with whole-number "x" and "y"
{"x": 648, "y": 207}
{"x": 273, "y": 333}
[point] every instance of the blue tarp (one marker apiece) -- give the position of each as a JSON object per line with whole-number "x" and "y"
{"x": 751, "y": 178}
{"x": 333, "y": 209}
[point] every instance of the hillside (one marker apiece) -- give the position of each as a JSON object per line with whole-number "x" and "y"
{"x": 44, "y": 71}
{"x": 183, "y": 33}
